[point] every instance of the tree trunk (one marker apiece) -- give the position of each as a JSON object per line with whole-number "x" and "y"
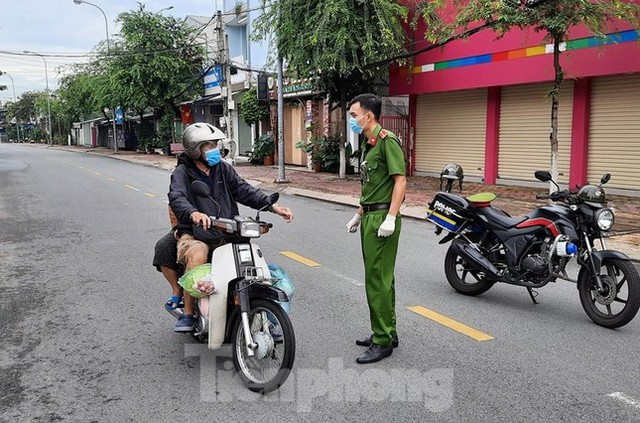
{"x": 345, "y": 128}
{"x": 553, "y": 136}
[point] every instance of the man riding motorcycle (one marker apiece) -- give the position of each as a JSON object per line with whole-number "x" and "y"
{"x": 202, "y": 161}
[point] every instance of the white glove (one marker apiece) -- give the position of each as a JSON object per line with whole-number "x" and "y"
{"x": 387, "y": 227}
{"x": 353, "y": 224}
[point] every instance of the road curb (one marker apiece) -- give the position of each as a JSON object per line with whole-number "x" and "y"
{"x": 411, "y": 212}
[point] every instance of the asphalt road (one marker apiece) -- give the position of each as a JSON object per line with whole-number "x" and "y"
{"x": 85, "y": 337}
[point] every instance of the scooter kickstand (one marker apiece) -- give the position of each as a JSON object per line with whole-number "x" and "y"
{"x": 533, "y": 294}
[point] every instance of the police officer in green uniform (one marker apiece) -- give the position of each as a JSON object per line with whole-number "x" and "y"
{"x": 382, "y": 172}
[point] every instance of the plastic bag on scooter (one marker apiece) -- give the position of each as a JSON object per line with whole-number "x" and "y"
{"x": 282, "y": 280}
{"x": 198, "y": 281}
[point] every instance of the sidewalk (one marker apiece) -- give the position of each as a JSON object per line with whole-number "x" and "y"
{"x": 420, "y": 191}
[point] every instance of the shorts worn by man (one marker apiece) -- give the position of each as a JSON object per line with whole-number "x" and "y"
{"x": 382, "y": 172}
{"x": 201, "y": 161}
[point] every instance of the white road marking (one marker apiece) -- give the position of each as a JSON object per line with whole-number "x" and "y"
{"x": 346, "y": 278}
{"x": 621, "y": 396}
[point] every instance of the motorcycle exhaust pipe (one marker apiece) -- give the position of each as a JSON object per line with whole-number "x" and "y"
{"x": 474, "y": 258}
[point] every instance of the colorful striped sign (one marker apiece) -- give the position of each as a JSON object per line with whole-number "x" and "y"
{"x": 580, "y": 43}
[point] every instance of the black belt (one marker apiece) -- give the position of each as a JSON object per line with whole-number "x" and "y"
{"x": 373, "y": 207}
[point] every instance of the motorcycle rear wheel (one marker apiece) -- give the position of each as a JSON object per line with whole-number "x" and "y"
{"x": 620, "y": 302}
{"x": 462, "y": 277}
{"x": 271, "y": 364}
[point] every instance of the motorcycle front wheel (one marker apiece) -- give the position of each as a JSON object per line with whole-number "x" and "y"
{"x": 462, "y": 277}
{"x": 618, "y": 304}
{"x": 271, "y": 363}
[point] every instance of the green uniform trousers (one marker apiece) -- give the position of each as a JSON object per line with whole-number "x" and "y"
{"x": 379, "y": 255}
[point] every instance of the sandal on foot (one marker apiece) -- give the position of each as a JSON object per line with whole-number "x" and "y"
{"x": 173, "y": 302}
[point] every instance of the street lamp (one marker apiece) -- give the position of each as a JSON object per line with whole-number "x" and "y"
{"x": 106, "y": 26}
{"x": 46, "y": 77}
{"x": 106, "y": 22}
{"x": 14, "y": 100}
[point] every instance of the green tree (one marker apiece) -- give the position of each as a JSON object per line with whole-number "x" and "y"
{"x": 25, "y": 109}
{"x": 78, "y": 95}
{"x": 553, "y": 18}
{"x": 251, "y": 109}
{"x": 336, "y": 41}
{"x": 154, "y": 62}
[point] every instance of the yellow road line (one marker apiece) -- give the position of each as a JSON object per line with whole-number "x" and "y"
{"x": 148, "y": 194}
{"x": 131, "y": 187}
{"x": 98, "y": 173}
{"x": 300, "y": 259}
{"x": 451, "y": 324}
{"x": 111, "y": 179}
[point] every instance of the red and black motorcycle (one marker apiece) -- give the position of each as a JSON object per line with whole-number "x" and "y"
{"x": 488, "y": 246}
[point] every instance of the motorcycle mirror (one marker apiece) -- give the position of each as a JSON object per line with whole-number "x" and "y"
{"x": 271, "y": 200}
{"x": 200, "y": 189}
{"x": 542, "y": 175}
{"x": 605, "y": 178}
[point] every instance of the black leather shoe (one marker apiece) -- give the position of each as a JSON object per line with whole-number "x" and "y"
{"x": 373, "y": 354}
{"x": 366, "y": 342}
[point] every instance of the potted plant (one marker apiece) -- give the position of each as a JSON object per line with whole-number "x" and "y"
{"x": 329, "y": 152}
{"x": 263, "y": 149}
{"x": 311, "y": 148}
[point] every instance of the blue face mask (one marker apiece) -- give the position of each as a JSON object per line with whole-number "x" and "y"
{"x": 213, "y": 157}
{"x": 353, "y": 124}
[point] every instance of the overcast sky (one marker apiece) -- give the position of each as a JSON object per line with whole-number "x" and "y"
{"x": 61, "y": 26}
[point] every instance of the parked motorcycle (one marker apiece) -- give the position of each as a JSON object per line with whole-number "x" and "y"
{"x": 488, "y": 246}
{"x": 244, "y": 310}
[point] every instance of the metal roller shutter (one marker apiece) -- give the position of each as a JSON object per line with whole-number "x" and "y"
{"x": 525, "y": 122}
{"x": 614, "y": 132}
{"x": 450, "y": 128}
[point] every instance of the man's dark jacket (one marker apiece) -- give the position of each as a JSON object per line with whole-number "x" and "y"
{"x": 227, "y": 188}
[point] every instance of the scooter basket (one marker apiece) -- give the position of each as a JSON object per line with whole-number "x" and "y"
{"x": 450, "y": 212}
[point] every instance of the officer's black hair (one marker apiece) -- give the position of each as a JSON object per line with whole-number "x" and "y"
{"x": 369, "y": 102}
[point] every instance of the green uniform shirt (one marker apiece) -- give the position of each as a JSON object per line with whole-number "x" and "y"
{"x": 381, "y": 158}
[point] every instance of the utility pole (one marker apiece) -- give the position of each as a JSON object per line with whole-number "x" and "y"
{"x": 225, "y": 85}
{"x": 228, "y": 88}
{"x": 281, "y": 175}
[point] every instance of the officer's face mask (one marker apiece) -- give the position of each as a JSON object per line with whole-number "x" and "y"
{"x": 353, "y": 124}
{"x": 212, "y": 157}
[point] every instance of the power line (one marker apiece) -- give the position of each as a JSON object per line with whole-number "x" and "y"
{"x": 413, "y": 53}
{"x": 97, "y": 55}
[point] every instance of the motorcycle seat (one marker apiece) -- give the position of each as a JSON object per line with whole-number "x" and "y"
{"x": 501, "y": 218}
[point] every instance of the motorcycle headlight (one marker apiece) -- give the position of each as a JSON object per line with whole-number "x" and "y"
{"x": 605, "y": 219}
{"x": 249, "y": 229}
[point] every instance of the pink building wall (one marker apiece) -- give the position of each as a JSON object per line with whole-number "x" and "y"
{"x": 585, "y": 62}
{"x": 518, "y": 58}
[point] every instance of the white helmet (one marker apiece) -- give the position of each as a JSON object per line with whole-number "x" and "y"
{"x": 198, "y": 134}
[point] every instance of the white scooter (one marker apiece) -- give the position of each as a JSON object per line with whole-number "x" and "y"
{"x": 244, "y": 310}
